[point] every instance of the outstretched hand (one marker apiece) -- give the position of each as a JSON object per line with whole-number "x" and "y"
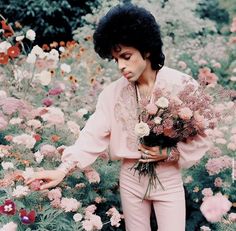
{"x": 152, "y": 154}
{"x": 49, "y": 178}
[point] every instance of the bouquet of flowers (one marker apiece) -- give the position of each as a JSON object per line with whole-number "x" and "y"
{"x": 168, "y": 119}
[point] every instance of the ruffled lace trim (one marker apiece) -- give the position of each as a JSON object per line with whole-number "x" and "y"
{"x": 126, "y": 113}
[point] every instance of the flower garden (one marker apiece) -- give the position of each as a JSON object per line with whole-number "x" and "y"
{"x": 47, "y": 93}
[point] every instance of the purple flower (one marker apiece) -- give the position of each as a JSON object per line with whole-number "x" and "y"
{"x": 55, "y": 91}
{"x": 47, "y": 102}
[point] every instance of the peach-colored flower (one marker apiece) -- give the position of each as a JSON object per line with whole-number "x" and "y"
{"x": 91, "y": 208}
{"x": 70, "y": 204}
{"x": 53, "y": 116}
{"x": 206, "y": 76}
{"x": 92, "y": 175}
{"x": 24, "y": 139}
{"x": 73, "y": 127}
{"x": 54, "y": 194}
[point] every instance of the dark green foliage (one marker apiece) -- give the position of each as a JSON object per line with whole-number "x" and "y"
{"x": 211, "y": 9}
{"x": 52, "y": 20}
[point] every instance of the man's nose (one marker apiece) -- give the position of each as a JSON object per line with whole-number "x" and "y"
{"x": 121, "y": 65}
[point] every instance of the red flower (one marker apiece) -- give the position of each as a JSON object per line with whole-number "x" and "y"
{"x": 13, "y": 51}
{"x": 3, "y": 58}
{"x": 8, "y": 208}
{"x": 27, "y": 218}
{"x": 37, "y": 137}
{"x": 8, "y": 32}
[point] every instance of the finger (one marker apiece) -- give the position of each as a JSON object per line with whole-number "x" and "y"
{"x": 38, "y": 176}
{"x": 148, "y": 160}
{"x": 50, "y": 184}
{"x": 147, "y": 151}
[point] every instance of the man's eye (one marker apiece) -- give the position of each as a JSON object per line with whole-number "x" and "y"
{"x": 127, "y": 57}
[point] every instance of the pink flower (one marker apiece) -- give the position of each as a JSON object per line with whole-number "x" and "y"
{"x": 214, "y": 207}
{"x": 91, "y": 208}
{"x": 205, "y": 76}
{"x": 24, "y": 139}
{"x": 115, "y": 217}
{"x": 47, "y": 102}
{"x": 215, "y": 152}
{"x": 55, "y": 91}
{"x": 8, "y": 208}
{"x": 92, "y": 175}
{"x": 3, "y": 124}
{"x": 182, "y": 65}
{"x": 48, "y": 150}
{"x": 70, "y": 204}
{"x": 185, "y": 113}
{"x": 232, "y": 217}
{"x": 151, "y": 108}
{"x": 54, "y": 194}
{"x": 93, "y": 222}
{"x": 53, "y": 116}
{"x": 207, "y": 192}
{"x": 56, "y": 203}
{"x": 73, "y": 127}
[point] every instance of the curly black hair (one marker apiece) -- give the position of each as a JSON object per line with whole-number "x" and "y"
{"x": 129, "y": 25}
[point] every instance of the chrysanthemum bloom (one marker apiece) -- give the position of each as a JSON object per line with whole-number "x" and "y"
{"x": 214, "y": 207}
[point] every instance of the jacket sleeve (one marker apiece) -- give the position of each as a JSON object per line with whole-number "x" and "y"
{"x": 191, "y": 152}
{"x": 93, "y": 140}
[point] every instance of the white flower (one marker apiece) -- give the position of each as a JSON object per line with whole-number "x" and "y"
{"x": 62, "y": 49}
{"x": 162, "y": 102}
{"x": 20, "y": 191}
{"x": 77, "y": 217}
{"x": 3, "y": 94}
{"x": 20, "y": 38}
{"x": 141, "y": 129}
{"x": 7, "y": 165}
{"x": 44, "y": 77}
{"x": 65, "y": 67}
{"x": 11, "y": 226}
{"x": 53, "y": 54}
{"x": 81, "y": 112}
{"x": 38, "y": 157}
{"x": 28, "y": 173}
{"x": 69, "y": 204}
{"x": 157, "y": 120}
{"x": 37, "y": 50}
{"x": 31, "y": 58}
{"x": 4, "y": 46}
{"x": 205, "y": 228}
{"x": 15, "y": 121}
{"x": 30, "y": 34}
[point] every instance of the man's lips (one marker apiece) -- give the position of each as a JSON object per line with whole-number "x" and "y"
{"x": 127, "y": 75}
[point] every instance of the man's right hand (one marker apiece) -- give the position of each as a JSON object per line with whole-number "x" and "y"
{"x": 50, "y": 178}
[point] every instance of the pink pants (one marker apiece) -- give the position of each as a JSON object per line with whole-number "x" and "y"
{"x": 169, "y": 204}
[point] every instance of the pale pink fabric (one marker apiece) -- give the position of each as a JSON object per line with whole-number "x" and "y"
{"x": 169, "y": 204}
{"x": 113, "y": 123}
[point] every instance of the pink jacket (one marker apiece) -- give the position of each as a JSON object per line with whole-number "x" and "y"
{"x": 112, "y": 125}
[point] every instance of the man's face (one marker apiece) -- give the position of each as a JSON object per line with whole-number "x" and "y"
{"x": 130, "y": 62}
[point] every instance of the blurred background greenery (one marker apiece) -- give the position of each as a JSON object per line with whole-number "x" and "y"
{"x": 56, "y": 20}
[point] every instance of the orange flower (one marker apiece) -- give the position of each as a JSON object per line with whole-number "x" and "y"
{"x": 55, "y": 138}
{"x": 62, "y": 43}
{"x": 3, "y": 58}
{"x": 13, "y": 51}
{"x": 8, "y": 32}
